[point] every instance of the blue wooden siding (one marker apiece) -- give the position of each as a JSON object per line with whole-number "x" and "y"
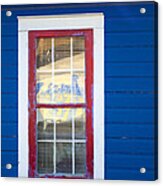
{"x": 130, "y": 85}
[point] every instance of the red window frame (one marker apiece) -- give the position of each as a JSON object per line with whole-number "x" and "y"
{"x": 33, "y": 35}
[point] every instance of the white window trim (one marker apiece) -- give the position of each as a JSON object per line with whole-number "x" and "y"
{"x": 93, "y": 21}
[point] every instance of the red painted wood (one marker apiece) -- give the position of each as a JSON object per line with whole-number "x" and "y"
{"x": 60, "y": 105}
{"x": 89, "y": 99}
{"x": 88, "y": 34}
{"x": 32, "y": 106}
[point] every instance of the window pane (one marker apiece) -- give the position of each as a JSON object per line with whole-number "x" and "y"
{"x": 45, "y": 124}
{"x": 63, "y": 124}
{"x": 56, "y": 90}
{"x": 62, "y": 53}
{"x": 45, "y": 158}
{"x": 78, "y": 43}
{"x": 43, "y": 54}
{"x": 64, "y": 158}
{"x": 78, "y": 87}
{"x": 80, "y": 158}
{"x": 44, "y": 88}
{"x": 45, "y": 130}
{"x": 78, "y": 60}
{"x": 80, "y": 122}
{"x": 78, "y": 53}
{"x": 62, "y": 88}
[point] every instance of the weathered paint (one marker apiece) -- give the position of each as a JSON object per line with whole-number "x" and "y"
{"x": 33, "y": 35}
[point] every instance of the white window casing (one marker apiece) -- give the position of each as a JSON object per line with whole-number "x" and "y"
{"x": 93, "y": 21}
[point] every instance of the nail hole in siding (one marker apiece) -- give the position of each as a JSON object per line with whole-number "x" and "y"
{"x": 8, "y": 13}
{"x": 142, "y": 10}
{"x": 8, "y": 166}
{"x": 142, "y": 170}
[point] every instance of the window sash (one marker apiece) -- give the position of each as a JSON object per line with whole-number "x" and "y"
{"x": 87, "y": 105}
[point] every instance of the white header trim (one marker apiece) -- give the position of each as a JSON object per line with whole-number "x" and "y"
{"x": 61, "y": 16}
{"x": 61, "y": 22}
{"x": 64, "y": 22}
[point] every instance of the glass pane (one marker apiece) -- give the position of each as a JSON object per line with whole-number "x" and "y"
{"x": 78, "y": 60}
{"x": 45, "y": 124}
{"x": 78, "y": 87}
{"x": 56, "y": 90}
{"x": 80, "y": 158}
{"x": 64, "y": 158}
{"x": 78, "y": 53}
{"x": 80, "y": 122}
{"x": 45, "y": 158}
{"x": 62, "y": 53}
{"x": 43, "y": 54}
{"x": 63, "y": 123}
{"x": 45, "y": 130}
{"x": 44, "y": 88}
{"x": 47, "y": 118}
{"x": 62, "y": 88}
{"x": 78, "y": 43}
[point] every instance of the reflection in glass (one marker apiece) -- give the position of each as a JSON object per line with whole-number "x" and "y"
{"x": 45, "y": 130}
{"x": 62, "y": 60}
{"x": 80, "y": 158}
{"x": 44, "y": 88}
{"x": 80, "y": 122}
{"x": 63, "y": 124}
{"x": 47, "y": 119}
{"x": 60, "y": 79}
{"x": 56, "y": 79}
{"x": 78, "y": 60}
{"x": 56, "y": 90}
{"x": 62, "y": 53}
{"x": 45, "y": 158}
{"x": 78, "y": 87}
{"x": 78, "y": 43}
{"x": 78, "y": 53}
{"x": 45, "y": 124}
{"x": 43, "y": 54}
{"x": 62, "y": 88}
{"x": 64, "y": 158}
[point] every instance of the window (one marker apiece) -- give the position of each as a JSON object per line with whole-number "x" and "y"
{"x": 60, "y": 97}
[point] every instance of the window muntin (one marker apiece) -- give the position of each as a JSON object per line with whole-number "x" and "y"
{"x": 61, "y": 132}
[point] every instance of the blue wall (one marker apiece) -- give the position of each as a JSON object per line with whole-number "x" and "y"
{"x": 130, "y": 85}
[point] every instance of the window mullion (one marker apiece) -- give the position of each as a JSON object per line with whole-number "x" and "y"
{"x": 73, "y": 128}
{"x": 71, "y": 63}
{"x": 73, "y": 143}
{"x": 52, "y": 99}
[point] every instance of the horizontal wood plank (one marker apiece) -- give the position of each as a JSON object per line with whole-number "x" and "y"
{"x": 9, "y": 130}
{"x": 129, "y": 174}
{"x": 9, "y": 157}
{"x": 133, "y": 39}
{"x": 129, "y": 100}
{"x": 129, "y": 115}
{"x": 9, "y": 172}
{"x": 129, "y": 54}
{"x": 134, "y": 162}
{"x": 9, "y": 144}
{"x": 9, "y": 115}
{"x": 143, "y": 84}
{"x": 129, "y": 146}
{"x": 129, "y": 131}
{"x": 129, "y": 69}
